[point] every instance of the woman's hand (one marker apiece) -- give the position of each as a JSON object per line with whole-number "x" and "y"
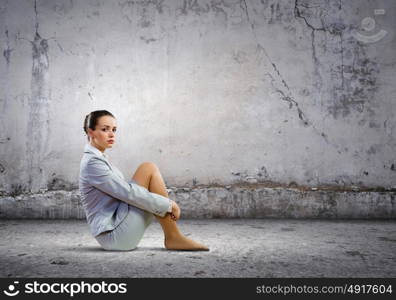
{"x": 175, "y": 214}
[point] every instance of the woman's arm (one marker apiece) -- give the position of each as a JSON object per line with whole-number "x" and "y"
{"x": 102, "y": 177}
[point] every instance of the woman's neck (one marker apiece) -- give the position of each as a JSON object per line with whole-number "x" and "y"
{"x": 97, "y": 147}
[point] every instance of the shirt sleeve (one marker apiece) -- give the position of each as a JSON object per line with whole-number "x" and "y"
{"x": 170, "y": 207}
{"x": 102, "y": 177}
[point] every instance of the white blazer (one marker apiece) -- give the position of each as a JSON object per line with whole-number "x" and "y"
{"x": 105, "y": 194}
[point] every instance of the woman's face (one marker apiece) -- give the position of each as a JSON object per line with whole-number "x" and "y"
{"x": 103, "y": 136}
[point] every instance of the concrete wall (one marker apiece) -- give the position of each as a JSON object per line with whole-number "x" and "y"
{"x": 286, "y": 93}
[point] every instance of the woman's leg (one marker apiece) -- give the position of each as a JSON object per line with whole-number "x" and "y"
{"x": 149, "y": 176}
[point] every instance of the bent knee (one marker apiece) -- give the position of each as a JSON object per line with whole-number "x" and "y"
{"x": 149, "y": 165}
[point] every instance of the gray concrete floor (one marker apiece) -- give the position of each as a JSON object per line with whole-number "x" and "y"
{"x": 239, "y": 248}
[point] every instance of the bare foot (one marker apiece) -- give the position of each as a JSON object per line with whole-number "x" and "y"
{"x": 183, "y": 243}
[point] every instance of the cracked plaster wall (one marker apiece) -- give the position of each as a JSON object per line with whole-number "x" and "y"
{"x": 213, "y": 92}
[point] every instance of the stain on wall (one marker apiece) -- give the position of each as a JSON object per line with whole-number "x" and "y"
{"x": 38, "y": 119}
{"x": 7, "y": 51}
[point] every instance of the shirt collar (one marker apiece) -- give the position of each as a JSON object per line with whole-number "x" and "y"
{"x": 89, "y": 147}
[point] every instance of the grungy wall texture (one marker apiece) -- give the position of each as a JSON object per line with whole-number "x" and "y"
{"x": 216, "y": 93}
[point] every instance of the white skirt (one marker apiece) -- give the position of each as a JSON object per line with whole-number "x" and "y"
{"x": 127, "y": 235}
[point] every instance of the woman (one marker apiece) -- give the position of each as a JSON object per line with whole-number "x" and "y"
{"x": 119, "y": 211}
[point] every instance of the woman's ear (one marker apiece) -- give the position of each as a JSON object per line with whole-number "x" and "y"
{"x": 90, "y": 133}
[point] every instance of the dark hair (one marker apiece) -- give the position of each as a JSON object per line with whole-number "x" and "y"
{"x": 92, "y": 119}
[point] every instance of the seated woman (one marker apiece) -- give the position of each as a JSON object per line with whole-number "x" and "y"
{"x": 119, "y": 211}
